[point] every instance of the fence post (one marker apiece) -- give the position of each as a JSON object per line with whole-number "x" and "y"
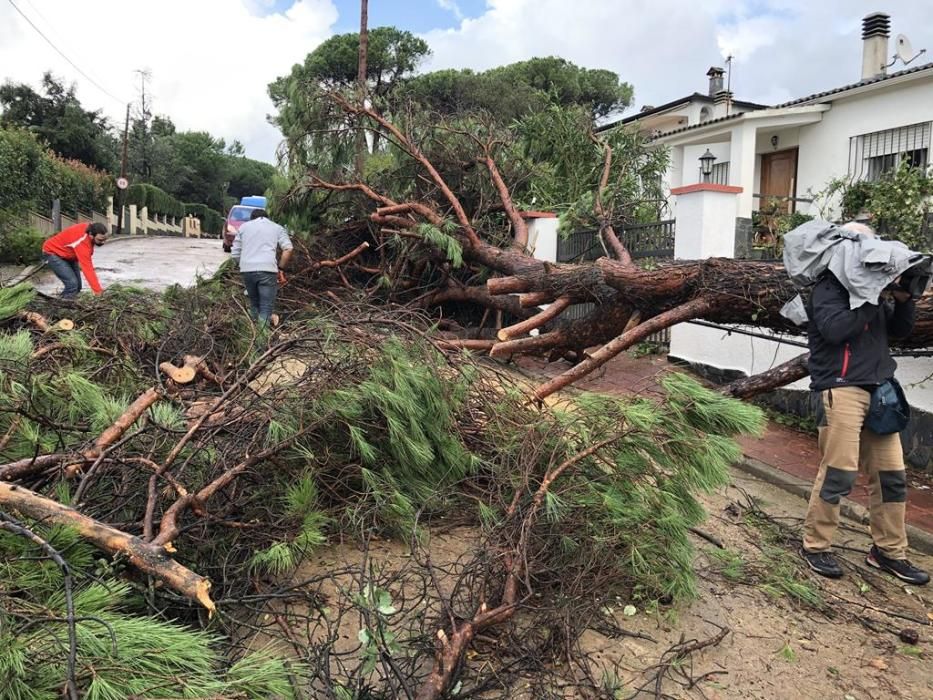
{"x": 57, "y": 214}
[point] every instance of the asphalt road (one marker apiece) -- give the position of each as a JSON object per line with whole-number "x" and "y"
{"x": 153, "y": 263}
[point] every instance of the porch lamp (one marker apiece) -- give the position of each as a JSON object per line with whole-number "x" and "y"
{"x": 706, "y": 165}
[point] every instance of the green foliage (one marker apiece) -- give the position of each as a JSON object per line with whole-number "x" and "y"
{"x": 626, "y": 510}
{"x": 20, "y": 245}
{"x": 376, "y": 638}
{"x": 302, "y": 507}
{"x": 568, "y": 166}
{"x": 512, "y": 91}
{"x": 120, "y": 653}
{"x": 155, "y": 200}
{"x": 33, "y": 176}
{"x": 401, "y": 423}
{"x": 212, "y": 222}
{"x": 787, "y": 653}
{"x": 898, "y": 202}
{"x": 392, "y": 55}
{"x": 445, "y": 242}
{"x": 15, "y": 299}
{"x": 59, "y": 121}
{"x": 730, "y": 564}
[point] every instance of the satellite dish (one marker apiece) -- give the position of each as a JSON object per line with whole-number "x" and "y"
{"x": 905, "y": 51}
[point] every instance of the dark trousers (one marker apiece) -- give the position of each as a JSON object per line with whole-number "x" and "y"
{"x": 261, "y": 288}
{"x": 67, "y": 271}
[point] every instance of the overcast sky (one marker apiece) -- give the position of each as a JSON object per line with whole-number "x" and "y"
{"x": 211, "y": 60}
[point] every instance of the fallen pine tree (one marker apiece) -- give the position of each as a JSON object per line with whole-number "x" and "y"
{"x": 348, "y": 421}
{"x": 209, "y": 458}
{"x": 435, "y": 248}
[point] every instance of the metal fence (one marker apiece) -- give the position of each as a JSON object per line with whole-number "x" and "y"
{"x": 645, "y": 242}
{"x": 654, "y": 240}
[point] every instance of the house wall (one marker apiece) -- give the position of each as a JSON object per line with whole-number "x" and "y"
{"x": 824, "y": 147}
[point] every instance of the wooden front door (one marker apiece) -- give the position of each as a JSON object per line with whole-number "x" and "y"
{"x": 779, "y": 179}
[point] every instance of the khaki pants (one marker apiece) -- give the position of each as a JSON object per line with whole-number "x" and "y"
{"x": 846, "y": 449}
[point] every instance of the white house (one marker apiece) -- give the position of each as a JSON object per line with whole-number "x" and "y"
{"x": 788, "y": 151}
{"x": 793, "y": 150}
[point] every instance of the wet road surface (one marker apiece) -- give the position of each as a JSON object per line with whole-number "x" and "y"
{"x": 153, "y": 263}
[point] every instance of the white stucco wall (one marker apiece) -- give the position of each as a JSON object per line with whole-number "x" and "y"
{"x": 824, "y": 147}
{"x": 542, "y": 237}
{"x": 706, "y": 225}
{"x": 716, "y": 348}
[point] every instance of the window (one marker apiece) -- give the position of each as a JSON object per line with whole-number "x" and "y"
{"x": 241, "y": 213}
{"x": 705, "y": 114}
{"x": 872, "y": 155}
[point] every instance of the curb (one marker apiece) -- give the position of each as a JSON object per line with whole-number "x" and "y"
{"x": 921, "y": 540}
{"x": 33, "y": 269}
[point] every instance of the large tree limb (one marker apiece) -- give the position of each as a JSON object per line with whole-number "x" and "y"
{"x": 30, "y": 465}
{"x": 416, "y": 153}
{"x": 520, "y": 228}
{"x": 605, "y": 228}
{"x": 774, "y": 378}
{"x": 536, "y": 321}
{"x": 690, "y": 310}
{"x": 147, "y": 558}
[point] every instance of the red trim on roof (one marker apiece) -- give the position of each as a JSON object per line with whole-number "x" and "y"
{"x": 537, "y": 215}
{"x": 707, "y": 187}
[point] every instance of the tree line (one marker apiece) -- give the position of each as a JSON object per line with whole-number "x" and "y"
{"x": 191, "y": 166}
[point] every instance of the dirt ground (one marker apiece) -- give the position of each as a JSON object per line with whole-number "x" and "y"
{"x": 842, "y": 644}
{"x": 778, "y": 647}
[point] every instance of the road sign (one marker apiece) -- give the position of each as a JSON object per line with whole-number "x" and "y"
{"x": 122, "y": 183}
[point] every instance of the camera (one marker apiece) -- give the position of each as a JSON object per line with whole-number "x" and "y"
{"x": 914, "y": 280}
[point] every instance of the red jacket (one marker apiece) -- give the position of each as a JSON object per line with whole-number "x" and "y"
{"x": 73, "y": 243}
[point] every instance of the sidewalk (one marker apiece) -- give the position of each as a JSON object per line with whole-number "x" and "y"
{"x": 785, "y": 457}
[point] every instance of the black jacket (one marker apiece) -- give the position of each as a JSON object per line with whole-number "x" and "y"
{"x": 849, "y": 347}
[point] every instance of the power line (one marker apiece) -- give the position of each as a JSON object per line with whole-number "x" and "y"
{"x": 60, "y": 53}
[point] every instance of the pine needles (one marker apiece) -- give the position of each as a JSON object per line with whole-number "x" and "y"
{"x": 14, "y": 299}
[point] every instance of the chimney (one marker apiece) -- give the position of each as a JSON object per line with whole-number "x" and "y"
{"x": 876, "y": 28}
{"x": 715, "y": 80}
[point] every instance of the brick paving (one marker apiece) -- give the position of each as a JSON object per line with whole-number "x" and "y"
{"x": 783, "y": 448}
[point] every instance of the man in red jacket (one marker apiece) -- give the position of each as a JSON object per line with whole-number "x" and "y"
{"x": 68, "y": 254}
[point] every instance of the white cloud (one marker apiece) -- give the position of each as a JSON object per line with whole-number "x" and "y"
{"x": 211, "y": 60}
{"x": 451, "y": 6}
{"x": 782, "y": 48}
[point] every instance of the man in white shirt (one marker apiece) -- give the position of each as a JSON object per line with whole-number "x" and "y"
{"x": 256, "y": 250}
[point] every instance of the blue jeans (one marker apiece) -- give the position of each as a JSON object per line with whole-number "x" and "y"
{"x": 67, "y": 271}
{"x": 262, "y": 288}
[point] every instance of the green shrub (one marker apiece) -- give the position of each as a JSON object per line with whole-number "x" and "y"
{"x": 32, "y": 176}
{"x": 212, "y": 222}
{"x": 156, "y": 200}
{"x": 20, "y": 246}
{"x": 898, "y": 202}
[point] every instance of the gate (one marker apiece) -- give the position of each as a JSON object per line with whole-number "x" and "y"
{"x": 645, "y": 242}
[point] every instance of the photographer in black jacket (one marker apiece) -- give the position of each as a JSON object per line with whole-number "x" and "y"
{"x": 849, "y": 359}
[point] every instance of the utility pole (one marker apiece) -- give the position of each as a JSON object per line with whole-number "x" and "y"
{"x": 122, "y": 193}
{"x": 145, "y": 75}
{"x": 361, "y": 84}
